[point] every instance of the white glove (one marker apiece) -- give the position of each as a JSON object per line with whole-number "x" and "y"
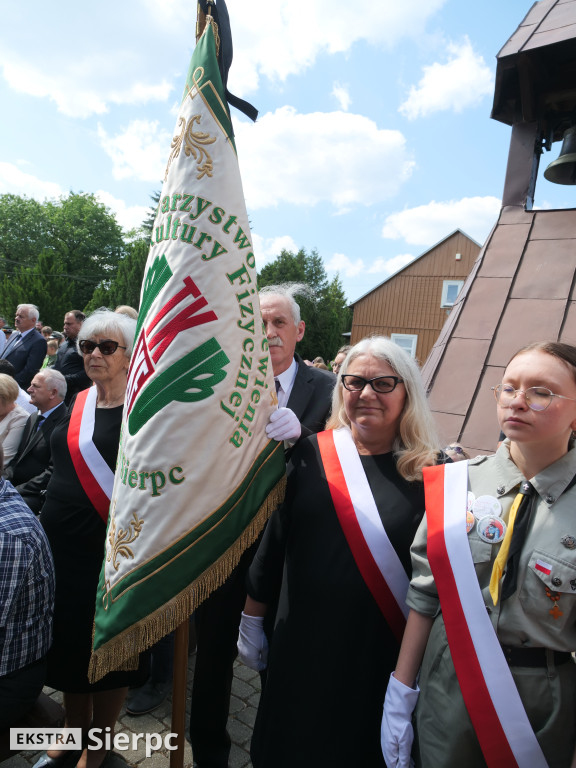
{"x": 252, "y": 642}
{"x": 397, "y": 734}
{"x": 283, "y": 425}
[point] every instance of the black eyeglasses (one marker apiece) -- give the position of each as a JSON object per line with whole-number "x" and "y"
{"x": 107, "y": 347}
{"x": 455, "y": 448}
{"x": 382, "y": 385}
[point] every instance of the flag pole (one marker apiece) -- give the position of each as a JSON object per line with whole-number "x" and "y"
{"x": 179, "y": 684}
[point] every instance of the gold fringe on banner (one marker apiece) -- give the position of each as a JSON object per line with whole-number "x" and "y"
{"x": 147, "y": 632}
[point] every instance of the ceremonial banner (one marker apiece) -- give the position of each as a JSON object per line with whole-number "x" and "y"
{"x": 196, "y": 476}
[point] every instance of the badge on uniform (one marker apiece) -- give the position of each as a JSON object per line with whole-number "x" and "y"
{"x": 491, "y": 528}
{"x": 569, "y": 542}
{"x": 486, "y": 506}
{"x": 470, "y": 520}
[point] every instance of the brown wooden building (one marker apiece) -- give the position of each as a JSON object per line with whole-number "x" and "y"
{"x": 412, "y": 305}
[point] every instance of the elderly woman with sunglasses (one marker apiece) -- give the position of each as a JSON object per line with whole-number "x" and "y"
{"x": 74, "y": 515}
{"x": 336, "y": 558}
{"x": 493, "y": 593}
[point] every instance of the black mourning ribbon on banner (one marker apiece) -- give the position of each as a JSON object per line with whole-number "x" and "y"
{"x": 220, "y": 14}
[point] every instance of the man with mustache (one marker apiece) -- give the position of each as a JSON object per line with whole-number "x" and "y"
{"x": 304, "y": 400}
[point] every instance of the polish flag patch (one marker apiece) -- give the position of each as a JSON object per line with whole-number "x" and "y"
{"x": 543, "y": 567}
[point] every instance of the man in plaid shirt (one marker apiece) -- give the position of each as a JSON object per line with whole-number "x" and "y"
{"x": 26, "y": 604}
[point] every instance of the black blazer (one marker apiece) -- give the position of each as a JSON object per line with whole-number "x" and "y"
{"x": 27, "y": 357}
{"x": 30, "y": 470}
{"x": 311, "y": 396}
{"x": 71, "y": 366}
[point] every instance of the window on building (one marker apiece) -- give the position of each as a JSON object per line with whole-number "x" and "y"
{"x": 450, "y": 291}
{"x": 407, "y": 341}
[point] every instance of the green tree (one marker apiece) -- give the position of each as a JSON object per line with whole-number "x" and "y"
{"x": 23, "y": 231}
{"x": 39, "y": 284}
{"x": 82, "y": 237}
{"x": 148, "y": 223}
{"x": 324, "y": 311}
{"x": 125, "y": 288}
{"x": 87, "y": 240}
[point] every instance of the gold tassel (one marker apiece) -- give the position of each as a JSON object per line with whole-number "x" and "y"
{"x": 147, "y": 632}
{"x": 202, "y": 20}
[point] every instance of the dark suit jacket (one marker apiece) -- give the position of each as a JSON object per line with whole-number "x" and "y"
{"x": 71, "y": 366}
{"x": 27, "y": 357}
{"x": 311, "y": 396}
{"x": 31, "y": 468}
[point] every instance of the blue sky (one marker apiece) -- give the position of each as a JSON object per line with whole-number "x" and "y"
{"x": 374, "y": 139}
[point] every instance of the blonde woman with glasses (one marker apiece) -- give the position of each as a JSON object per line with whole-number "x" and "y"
{"x": 335, "y": 557}
{"x": 492, "y": 625}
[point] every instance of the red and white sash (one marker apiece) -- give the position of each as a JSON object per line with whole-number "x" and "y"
{"x": 94, "y": 474}
{"x": 490, "y": 694}
{"x": 358, "y": 515}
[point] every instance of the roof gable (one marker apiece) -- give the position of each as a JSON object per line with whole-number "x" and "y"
{"x": 414, "y": 261}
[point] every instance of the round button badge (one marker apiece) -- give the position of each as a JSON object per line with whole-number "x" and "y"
{"x": 486, "y": 505}
{"x": 491, "y": 528}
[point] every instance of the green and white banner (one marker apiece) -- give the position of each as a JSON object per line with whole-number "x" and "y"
{"x": 196, "y": 476}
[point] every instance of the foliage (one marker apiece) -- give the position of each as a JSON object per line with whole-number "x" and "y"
{"x": 88, "y": 241}
{"x": 326, "y": 315}
{"x": 75, "y": 238}
{"x": 23, "y": 231}
{"x": 125, "y": 289}
{"x": 39, "y": 284}
{"x": 148, "y": 223}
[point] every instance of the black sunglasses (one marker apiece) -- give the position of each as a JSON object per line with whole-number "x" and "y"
{"x": 107, "y": 347}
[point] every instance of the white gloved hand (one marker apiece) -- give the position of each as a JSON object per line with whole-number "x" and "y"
{"x": 397, "y": 734}
{"x": 283, "y": 425}
{"x": 252, "y": 642}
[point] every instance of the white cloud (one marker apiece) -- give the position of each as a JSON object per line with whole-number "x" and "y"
{"x": 140, "y": 151}
{"x": 135, "y": 51}
{"x": 428, "y": 224}
{"x": 15, "y": 181}
{"x": 283, "y": 40}
{"x": 88, "y": 87}
{"x": 462, "y": 82}
{"x": 389, "y": 266}
{"x": 127, "y": 216}
{"x": 344, "y": 265}
{"x": 266, "y": 249}
{"x": 342, "y": 96}
{"x": 334, "y": 157}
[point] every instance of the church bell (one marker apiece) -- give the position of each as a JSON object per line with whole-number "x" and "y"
{"x": 563, "y": 169}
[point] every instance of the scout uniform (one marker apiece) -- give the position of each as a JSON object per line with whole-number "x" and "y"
{"x": 541, "y": 614}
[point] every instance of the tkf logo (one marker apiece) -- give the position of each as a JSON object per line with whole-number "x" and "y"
{"x": 22, "y": 739}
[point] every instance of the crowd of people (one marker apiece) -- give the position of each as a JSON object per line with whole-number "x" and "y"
{"x": 427, "y": 598}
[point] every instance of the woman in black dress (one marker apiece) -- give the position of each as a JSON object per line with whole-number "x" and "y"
{"x": 74, "y": 515}
{"x": 329, "y": 554}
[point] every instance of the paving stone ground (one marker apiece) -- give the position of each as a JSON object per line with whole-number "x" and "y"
{"x": 243, "y": 706}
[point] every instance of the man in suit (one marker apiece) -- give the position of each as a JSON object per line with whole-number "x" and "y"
{"x": 68, "y": 361}
{"x": 26, "y": 347}
{"x": 304, "y": 398}
{"x": 304, "y": 392}
{"x": 30, "y": 470}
